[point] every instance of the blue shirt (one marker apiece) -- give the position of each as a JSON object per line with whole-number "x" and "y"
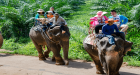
{"x": 108, "y": 30}
{"x": 123, "y": 19}
{"x": 37, "y": 16}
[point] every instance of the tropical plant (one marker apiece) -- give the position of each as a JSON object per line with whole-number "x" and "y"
{"x": 18, "y": 15}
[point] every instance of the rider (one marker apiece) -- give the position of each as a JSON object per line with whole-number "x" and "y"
{"x": 52, "y": 9}
{"x": 108, "y": 30}
{"x": 122, "y": 20}
{"x": 49, "y": 16}
{"x": 101, "y": 20}
{"x": 40, "y": 14}
{"x": 58, "y": 21}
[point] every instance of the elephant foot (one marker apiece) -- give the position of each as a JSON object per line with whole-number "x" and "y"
{"x": 46, "y": 56}
{"x": 66, "y": 62}
{"x": 59, "y": 61}
{"x": 99, "y": 69}
{"x": 42, "y": 58}
{"x": 46, "y": 53}
{"x": 53, "y": 59}
{"x": 117, "y": 73}
{"x": 100, "y": 72}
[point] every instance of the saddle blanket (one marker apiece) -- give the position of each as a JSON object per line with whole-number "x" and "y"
{"x": 90, "y": 39}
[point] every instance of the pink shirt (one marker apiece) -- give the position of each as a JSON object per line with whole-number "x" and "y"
{"x": 96, "y": 21}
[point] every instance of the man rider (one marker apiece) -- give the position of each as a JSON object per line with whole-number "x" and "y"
{"x": 108, "y": 30}
{"x": 58, "y": 21}
{"x": 122, "y": 20}
{"x": 40, "y": 14}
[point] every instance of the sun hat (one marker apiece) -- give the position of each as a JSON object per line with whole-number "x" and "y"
{"x": 111, "y": 19}
{"x": 40, "y": 10}
{"x": 49, "y": 12}
{"x": 100, "y": 13}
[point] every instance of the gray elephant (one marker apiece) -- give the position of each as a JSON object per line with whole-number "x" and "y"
{"x": 108, "y": 56}
{"x": 58, "y": 40}
{"x": 1, "y": 40}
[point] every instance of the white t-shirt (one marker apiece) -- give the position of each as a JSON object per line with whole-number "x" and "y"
{"x": 117, "y": 18}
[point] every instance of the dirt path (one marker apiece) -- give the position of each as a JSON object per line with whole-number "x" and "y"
{"x": 29, "y": 65}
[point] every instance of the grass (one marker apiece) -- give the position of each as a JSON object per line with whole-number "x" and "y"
{"x": 78, "y": 23}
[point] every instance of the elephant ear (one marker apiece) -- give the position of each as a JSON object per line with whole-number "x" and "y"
{"x": 127, "y": 46}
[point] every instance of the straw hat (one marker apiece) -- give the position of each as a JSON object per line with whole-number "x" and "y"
{"x": 40, "y": 10}
{"x": 111, "y": 19}
{"x": 100, "y": 13}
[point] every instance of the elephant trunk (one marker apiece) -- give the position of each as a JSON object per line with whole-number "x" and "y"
{"x": 65, "y": 46}
{"x": 112, "y": 60}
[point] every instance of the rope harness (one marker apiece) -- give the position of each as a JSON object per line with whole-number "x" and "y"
{"x": 39, "y": 28}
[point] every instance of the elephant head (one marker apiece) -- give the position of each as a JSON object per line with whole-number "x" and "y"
{"x": 57, "y": 35}
{"x": 61, "y": 39}
{"x": 111, "y": 56}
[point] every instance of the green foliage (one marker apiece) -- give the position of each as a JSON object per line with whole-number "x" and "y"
{"x": 135, "y": 13}
{"x": 21, "y": 13}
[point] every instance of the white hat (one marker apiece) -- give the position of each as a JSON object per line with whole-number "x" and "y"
{"x": 50, "y": 12}
{"x": 40, "y": 10}
{"x": 100, "y": 13}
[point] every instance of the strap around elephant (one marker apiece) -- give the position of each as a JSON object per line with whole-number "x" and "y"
{"x": 49, "y": 38}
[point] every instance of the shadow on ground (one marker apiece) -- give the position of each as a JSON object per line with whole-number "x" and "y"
{"x": 75, "y": 64}
{"x": 72, "y": 64}
{"x": 4, "y": 55}
{"x": 127, "y": 73}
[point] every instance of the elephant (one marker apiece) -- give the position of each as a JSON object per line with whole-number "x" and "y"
{"x": 106, "y": 55}
{"x": 58, "y": 40}
{"x": 1, "y": 39}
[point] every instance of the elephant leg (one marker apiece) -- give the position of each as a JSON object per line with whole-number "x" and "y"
{"x": 58, "y": 48}
{"x": 41, "y": 56}
{"x": 59, "y": 61}
{"x": 46, "y": 53}
{"x": 119, "y": 66}
{"x": 97, "y": 63}
{"x": 56, "y": 52}
{"x": 65, "y": 46}
{"x": 53, "y": 58}
{"x": 40, "y": 53}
